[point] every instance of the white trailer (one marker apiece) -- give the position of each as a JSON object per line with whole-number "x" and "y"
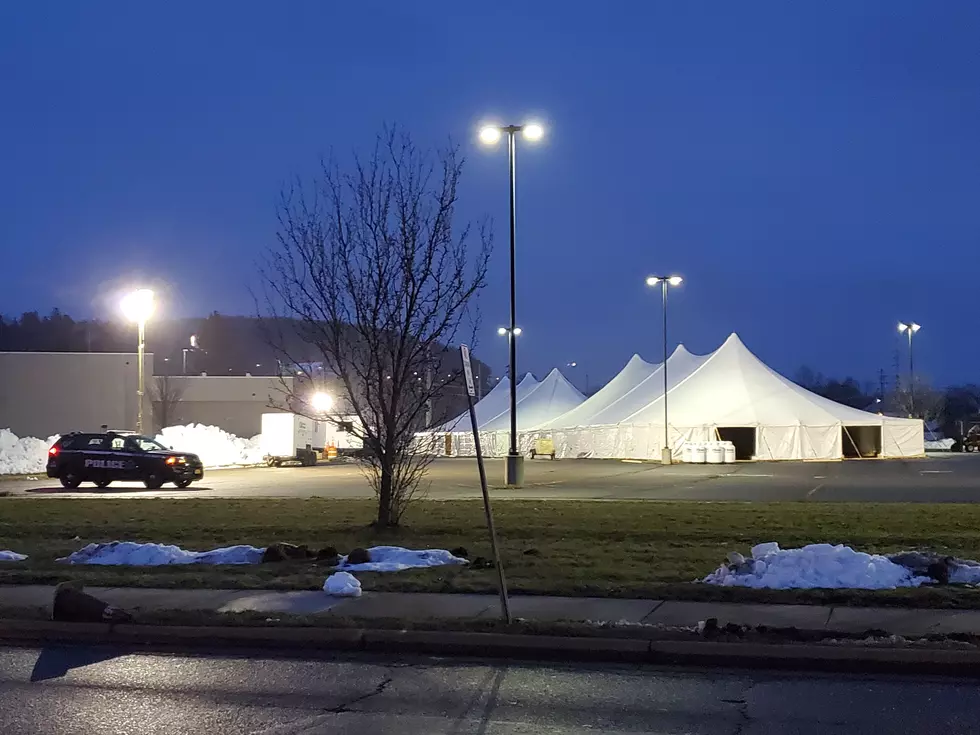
{"x": 340, "y": 434}
{"x": 288, "y": 437}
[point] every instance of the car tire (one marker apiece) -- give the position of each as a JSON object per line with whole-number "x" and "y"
{"x": 153, "y": 482}
{"x": 70, "y": 481}
{"x": 183, "y": 483}
{"x": 103, "y": 483}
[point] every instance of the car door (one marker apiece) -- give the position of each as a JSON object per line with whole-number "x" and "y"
{"x": 128, "y": 455}
{"x": 88, "y": 455}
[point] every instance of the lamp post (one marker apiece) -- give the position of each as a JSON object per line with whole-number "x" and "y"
{"x": 138, "y": 306}
{"x": 664, "y": 281}
{"x": 490, "y": 135}
{"x": 910, "y": 328}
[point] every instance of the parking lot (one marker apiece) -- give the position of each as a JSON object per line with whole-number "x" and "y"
{"x": 944, "y": 478}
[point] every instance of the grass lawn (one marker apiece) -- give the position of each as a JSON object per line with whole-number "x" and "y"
{"x": 622, "y": 549}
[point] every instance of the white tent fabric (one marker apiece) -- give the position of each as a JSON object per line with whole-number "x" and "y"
{"x": 733, "y": 389}
{"x": 644, "y": 392}
{"x": 633, "y": 373}
{"x": 490, "y": 406}
{"x": 551, "y": 397}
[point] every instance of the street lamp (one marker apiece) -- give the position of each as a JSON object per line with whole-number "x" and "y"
{"x": 491, "y": 135}
{"x": 664, "y": 281}
{"x": 321, "y": 402}
{"x": 910, "y": 328}
{"x": 138, "y": 306}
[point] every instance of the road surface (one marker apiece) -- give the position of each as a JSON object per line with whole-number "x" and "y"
{"x": 92, "y": 691}
{"x": 950, "y": 478}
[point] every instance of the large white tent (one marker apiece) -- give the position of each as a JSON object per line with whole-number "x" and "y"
{"x": 638, "y": 384}
{"x": 732, "y": 395}
{"x": 490, "y": 406}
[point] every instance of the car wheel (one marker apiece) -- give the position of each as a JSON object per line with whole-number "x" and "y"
{"x": 71, "y": 481}
{"x": 103, "y": 483}
{"x": 183, "y": 483}
{"x": 153, "y": 482}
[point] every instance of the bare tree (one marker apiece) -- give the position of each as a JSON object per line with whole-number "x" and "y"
{"x": 166, "y": 395}
{"x": 371, "y": 273}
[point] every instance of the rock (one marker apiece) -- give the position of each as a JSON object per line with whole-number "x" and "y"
{"x": 734, "y": 629}
{"x": 708, "y": 628}
{"x": 328, "y": 555}
{"x": 73, "y": 605}
{"x": 939, "y": 571}
{"x": 460, "y": 552}
{"x": 285, "y": 552}
{"x": 532, "y": 552}
{"x": 482, "y": 563}
{"x": 359, "y": 556}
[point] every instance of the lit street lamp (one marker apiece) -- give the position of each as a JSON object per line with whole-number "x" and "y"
{"x": 664, "y": 281}
{"x": 491, "y": 135}
{"x": 910, "y": 329}
{"x": 321, "y": 402}
{"x": 138, "y": 306}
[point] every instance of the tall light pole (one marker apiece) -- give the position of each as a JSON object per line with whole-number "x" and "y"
{"x": 490, "y": 135}
{"x": 138, "y": 306}
{"x": 664, "y": 281}
{"x": 910, "y": 328}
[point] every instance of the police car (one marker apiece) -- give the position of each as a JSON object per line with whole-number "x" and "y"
{"x": 111, "y": 456}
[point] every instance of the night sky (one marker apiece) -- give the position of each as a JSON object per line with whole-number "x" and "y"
{"x": 811, "y": 169}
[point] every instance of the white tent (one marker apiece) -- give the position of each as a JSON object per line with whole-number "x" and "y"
{"x": 551, "y": 397}
{"x": 490, "y": 406}
{"x": 634, "y": 372}
{"x": 732, "y": 395}
{"x": 625, "y": 399}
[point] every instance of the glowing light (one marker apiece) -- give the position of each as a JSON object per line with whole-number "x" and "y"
{"x": 501, "y": 331}
{"x": 652, "y": 281}
{"x": 321, "y": 402}
{"x": 138, "y": 305}
{"x": 675, "y": 280}
{"x": 490, "y": 135}
{"x": 533, "y": 132}
{"x": 517, "y": 331}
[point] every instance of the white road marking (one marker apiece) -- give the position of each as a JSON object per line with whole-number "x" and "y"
{"x": 744, "y": 474}
{"x": 819, "y": 477}
{"x": 809, "y": 494}
{"x": 935, "y": 472}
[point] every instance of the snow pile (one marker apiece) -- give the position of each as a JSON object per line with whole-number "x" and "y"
{"x": 215, "y": 447}
{"x": 814, "y": 566}
{"x": 342, "y": 584}
{"x": 11, "y": 556}
{"x": 23, "y": 456}
{"x": 396, "y": 558}
{"x": 939, "y": 445}
{"x": 154, "y": 555}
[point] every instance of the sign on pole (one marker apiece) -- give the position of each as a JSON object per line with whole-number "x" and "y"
{"x": 470, "y": 394}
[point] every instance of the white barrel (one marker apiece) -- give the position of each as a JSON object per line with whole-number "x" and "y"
{"x": 715, "y": 453}
{"x": 729, "y": 453}
{"x": 699, "y": 454}
{"x": 686, "y": 452}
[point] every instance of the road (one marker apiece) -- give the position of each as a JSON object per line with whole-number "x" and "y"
{"x": 91, "y": 691}
{"x": 950, "y": 478}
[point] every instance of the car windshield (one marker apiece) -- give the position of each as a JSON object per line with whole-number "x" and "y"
{"x": 149, "y": 445}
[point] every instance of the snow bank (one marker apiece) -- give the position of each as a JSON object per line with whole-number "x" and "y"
{"x": 396, "y": 558}
{"x": 215, "y": 447}
{"x": 12, "y": 556}
{"x": 938, "y": 445}
{"x": 814, "y": 566}
{"x": 153, "y": 555}
{"x": 23, "y": 456}
{"x": 342, "y": 584}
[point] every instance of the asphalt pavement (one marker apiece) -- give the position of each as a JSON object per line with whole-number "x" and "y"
{"x": 943, "y": 478}
{"x": 95, "y": 691}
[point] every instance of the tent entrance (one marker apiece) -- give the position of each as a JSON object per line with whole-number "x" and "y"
{"x": 743, "y": 437}
{"x": 860, "y": 442}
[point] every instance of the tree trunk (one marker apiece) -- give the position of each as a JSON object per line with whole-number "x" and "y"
{"x": 385, "y": 519}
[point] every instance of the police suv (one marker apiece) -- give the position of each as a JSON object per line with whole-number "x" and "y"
{"x": 109, "y": 456}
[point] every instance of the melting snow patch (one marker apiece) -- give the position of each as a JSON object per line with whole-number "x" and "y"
{"x": 342, "y": 584}
{"x": 215, "y": 447}
{"x": 12, "y": 556}
{"x": 23, "y": 456}
{"x": 816, "y": 566}
{"x": 128, "y": 553}
{"x": 395, "y": 559}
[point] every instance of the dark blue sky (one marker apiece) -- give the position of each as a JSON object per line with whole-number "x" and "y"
{"x": 812, "y": 169}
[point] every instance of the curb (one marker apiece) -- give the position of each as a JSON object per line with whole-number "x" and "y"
{"x": 294, "y": 640}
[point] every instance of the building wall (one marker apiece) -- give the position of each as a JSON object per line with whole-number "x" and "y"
{"x": 230, "y": 402}
{"x": 45, "y": 393}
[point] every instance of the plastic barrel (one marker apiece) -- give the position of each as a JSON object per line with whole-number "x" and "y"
{"x": 729, "y": 453}
{"x": 715, "y": 453}
{"x": 699, "y": 454}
